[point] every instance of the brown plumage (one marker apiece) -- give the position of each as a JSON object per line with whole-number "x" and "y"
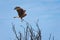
{"x": 21, "y": 12}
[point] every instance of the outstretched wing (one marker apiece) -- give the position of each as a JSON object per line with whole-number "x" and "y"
{"x": 21, "y": 12}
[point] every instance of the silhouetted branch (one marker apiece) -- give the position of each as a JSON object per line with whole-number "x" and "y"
{"x": 29, "y": 32}
{"x": 20, "y": 38}
{"x": 38, "y": 36}
{"x": 26, "y": 33}
{"x": 13, "y": 26}
{"x": 50, "y": 37}
{"x": 53, "y": 37}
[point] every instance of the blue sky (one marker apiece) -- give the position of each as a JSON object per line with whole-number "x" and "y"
{"x": 48, "y": 12}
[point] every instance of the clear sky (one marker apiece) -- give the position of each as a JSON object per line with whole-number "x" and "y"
{"x": 48, "y": 12}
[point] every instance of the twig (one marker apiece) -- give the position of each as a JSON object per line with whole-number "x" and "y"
{"x": 50, "y": 37}
{"x": 13, "y": 26}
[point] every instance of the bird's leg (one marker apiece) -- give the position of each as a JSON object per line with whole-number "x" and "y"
{"x": 22, "y": 20}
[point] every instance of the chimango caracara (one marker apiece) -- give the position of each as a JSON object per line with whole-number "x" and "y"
{"x": 21, "y": 12}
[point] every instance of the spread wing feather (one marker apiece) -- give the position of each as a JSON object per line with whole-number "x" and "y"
{"x": 21, "y": 12}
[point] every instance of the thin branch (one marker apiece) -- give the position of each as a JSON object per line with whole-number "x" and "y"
{"x": 50, "y": 37}
{"x": 13, "y": 27}
{"x": 20, "y": 36}
{"x": 39, "y": 31}
{"x": 53, "y": 37}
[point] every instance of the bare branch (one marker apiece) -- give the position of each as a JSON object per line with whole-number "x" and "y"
{"x": 13, "y": 27}
{"x": 50, "y": 37}
{"x": 20, "y": 38}
{"x": 53, "y": 37}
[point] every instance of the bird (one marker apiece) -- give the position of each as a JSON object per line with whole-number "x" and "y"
{"x": 20, "y": 11}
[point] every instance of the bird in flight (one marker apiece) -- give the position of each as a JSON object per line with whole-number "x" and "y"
{"x": 21, "y": 12}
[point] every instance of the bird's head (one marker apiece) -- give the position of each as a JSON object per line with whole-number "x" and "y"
{"x": 16, "y": 8}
